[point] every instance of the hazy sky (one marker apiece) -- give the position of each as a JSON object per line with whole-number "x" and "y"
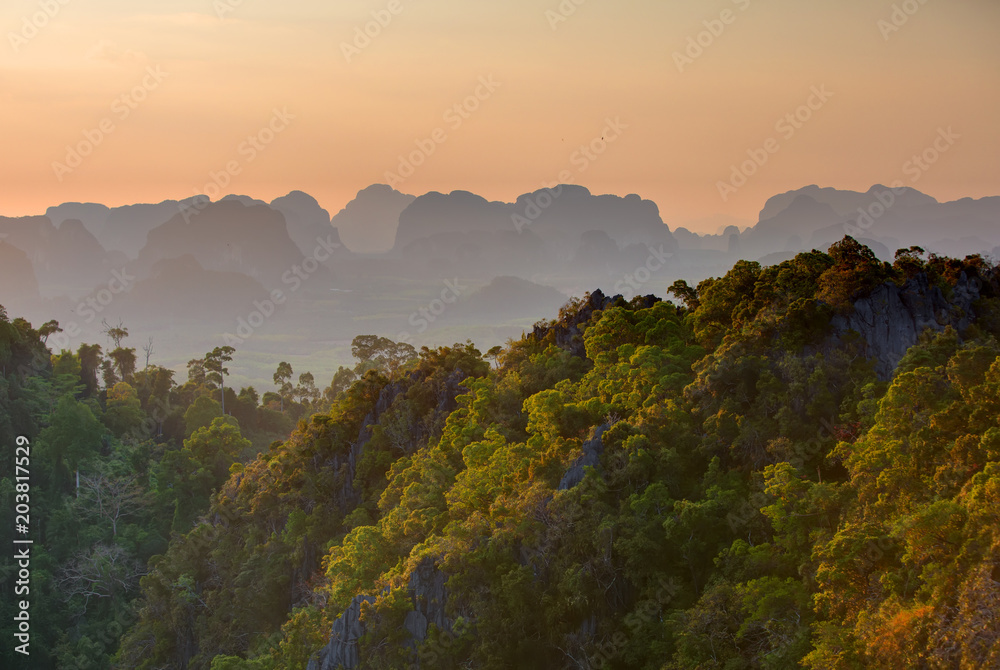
{"x": 182, "y": 84}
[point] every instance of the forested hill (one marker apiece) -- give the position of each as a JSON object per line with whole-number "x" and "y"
{"x": 792, "y": 465}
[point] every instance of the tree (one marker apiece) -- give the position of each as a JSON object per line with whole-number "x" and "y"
{"x": 283, "y": 380}
{"x": 197, "y": 375}
{"x": 66, "y": 373}
{"x": 217, "y": 446}
{"x": 124, "y": 414}
{"x": 250, "y": 396}
{"x": 494, "y": 354}
{"x": 687, "y": 294}
{"x": 382, "y": 353}
{"x": 90, "y": 364}
{"x": 201, "y": 413}
{"x": 215, "y": 361}
{"x": 148, "y": 350}
{"x": 855, "y": 272}
{"x": 111, "y": 498}
{"x": 342, "y": 380}
{"x": 306, "y": 391}
{"x": 115, "y": 333}
{"x": 73, "y": 435}
{"x": 48, "y": 328}
{"x": 106, "y": 571}
{"x": 124, "y": 360}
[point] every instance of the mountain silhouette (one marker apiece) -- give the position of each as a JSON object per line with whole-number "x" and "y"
{"x": 369, "y": 222}
{"x": 226, "y": 236}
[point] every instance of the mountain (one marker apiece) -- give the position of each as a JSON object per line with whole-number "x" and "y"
{"x": 93, "y": 215}
{"x": 814, "y": 217}
{"x": 565, "y": 238}
{"x": 179, "y": 291}
{"x": 558, "y": 216}
{"x": 307, "y": 221}
{"x": 435, "y": 214}
{"x": 123, "y": 228}
{"x": 67, "y": 260}
{"x": 228, "y": 236}
{"x": 542, "y": 236}
{"x": 17, "y": 279}
{"x": 511, "y": 297}
{"x": 574, "y": 210}
{"x": 369, "y": 222}
{"x": 799, "y": 468}
{"x": 843, "y": 202}
{"x": 790, "y": 228}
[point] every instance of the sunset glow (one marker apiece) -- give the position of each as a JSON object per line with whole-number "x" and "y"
{"x": 698, "y": 85}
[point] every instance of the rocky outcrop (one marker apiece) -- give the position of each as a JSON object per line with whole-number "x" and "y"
{"x": 591, "y": 457}
{"x": 427, "y": 588}
{"x": 342, "y": 649}
{"x": 891, "y": 319}
{"x": 429, "y": 595}
{"x": 427, "y": 584}
{"x": 567, "y": 333}
{"x": 347, "y": 463}
{"x": 452, "y": 387}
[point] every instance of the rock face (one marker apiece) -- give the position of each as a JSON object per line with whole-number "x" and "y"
{"x": 568, "y": 333}
{"x": 347, "y": 463}
{"x": 892, "y": 318}
{"x": 592, "y": 450}
{"x": 427, "y": 588}
{"x": 342, "y": 650}
{"x": 427, "y": 591}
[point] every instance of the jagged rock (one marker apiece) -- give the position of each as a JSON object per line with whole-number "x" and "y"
{"x": 347, "y": 463}
{"x": 592, "y": 450}
{"x": 348, "y": 498}
{"x": 891, "y": 319}
{"x": 427, "y": 591}
{"x": 446, "y": 403}
{"x": 568, "y": 332}
{"x": 427, "y": 588}
{"x": 342, "y": 649}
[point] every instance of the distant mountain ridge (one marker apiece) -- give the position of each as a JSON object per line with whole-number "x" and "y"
{"x": 814, "y": 217}
{"x": 398, "y": 250}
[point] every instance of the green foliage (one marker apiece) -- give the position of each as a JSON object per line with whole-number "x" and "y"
{"x": 753, "y": 495}
{"x": 202, "y": 412}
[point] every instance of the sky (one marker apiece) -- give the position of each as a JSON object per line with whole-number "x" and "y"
{"x": 706, "y": 107}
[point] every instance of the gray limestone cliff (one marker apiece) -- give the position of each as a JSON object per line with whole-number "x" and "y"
{"x": 428, "y": 594}
{"x": 591, "y": 456}
{"x": 891, "y": 319}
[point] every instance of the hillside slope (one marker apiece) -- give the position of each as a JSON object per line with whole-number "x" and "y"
{"x": 638, "y": 485}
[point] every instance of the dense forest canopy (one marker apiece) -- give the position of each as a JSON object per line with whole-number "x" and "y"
{"x": 729, "y": 480}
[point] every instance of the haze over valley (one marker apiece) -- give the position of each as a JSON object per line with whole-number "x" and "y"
{"x": 534, "y": 335}
{"x": 286, "y": 277}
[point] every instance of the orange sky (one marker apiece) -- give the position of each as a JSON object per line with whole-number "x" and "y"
{"x": 86, "y": 71}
